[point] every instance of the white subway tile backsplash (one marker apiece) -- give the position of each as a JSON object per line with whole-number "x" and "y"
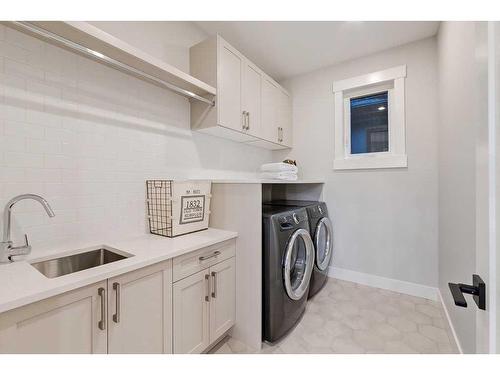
{"x": 12, "y": 112}
{"x": 43, "y": 146}
{"x": 86, "y": 137}
{"x": 22, "y": 40}
{"x": 59, "y": 161}
{"x": 24, "y": 129}
{"x": 23, "y": 70}
{"x": 13, "y": 52}
{"x": 12, "y": 143}
{"x": 61, "y": 135}
{"x": 23, "y": 160}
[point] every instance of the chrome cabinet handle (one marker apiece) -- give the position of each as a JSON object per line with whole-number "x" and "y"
{"x": 214, "y": 287}
{"x": 248, "y": 120}
{"x": 102, "y": 322}
{"x": 279, "y": 134}
{"x": 207, "y": 280}
{"x": 214, "y": 254}
{"x": 244, "y": 120}
{"x": 116, "y": 316}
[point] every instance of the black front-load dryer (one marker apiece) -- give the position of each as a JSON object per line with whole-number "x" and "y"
{"x": 322, "y": 234}
{"x": 287, "y": 265}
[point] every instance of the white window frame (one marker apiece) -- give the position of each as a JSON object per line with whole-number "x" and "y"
{"x": 391, "y": 80}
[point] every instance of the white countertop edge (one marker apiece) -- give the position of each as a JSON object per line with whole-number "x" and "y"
{"x": 84, "y": 278}
{"x": 265, "y": 181}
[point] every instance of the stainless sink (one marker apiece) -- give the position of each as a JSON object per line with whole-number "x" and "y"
{"x": 78, "y": 262}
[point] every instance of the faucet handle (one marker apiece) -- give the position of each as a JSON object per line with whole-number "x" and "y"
{"x": 20, "y": 250}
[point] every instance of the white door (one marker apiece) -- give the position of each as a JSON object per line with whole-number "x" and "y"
{"x": 487, "y": 192}
{"x": 139, "y": 313}
{"x": 191, "y": 313}
{"x": 73, "y": 322}
{"x": 270, "y": 125}
{"x": 229, "y": 76}
{"x": 223, "y": 298}
{"x": 252, "y": 98}
{"x": 469, "y": 181}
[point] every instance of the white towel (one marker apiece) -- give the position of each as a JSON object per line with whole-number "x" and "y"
{"x": 288, "y": 176}
{"x": 279, "y": 167}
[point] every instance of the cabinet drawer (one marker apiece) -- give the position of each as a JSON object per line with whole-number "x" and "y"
{"x": 188, "y": 264}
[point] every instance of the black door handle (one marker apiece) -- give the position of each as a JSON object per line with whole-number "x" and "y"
{"x": 477, "y": 289}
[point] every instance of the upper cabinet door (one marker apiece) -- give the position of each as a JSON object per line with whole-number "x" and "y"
{"x": 72, "y": 323}
{"x": 191, "y": 313}
{"x": 252, "y": 98}
{"x": 229, "y": 73}
{"x": 223, "y": 298}
{"x": 285, "y": 118}
{"x": 270, "y": 125}
{"x": 139, "y": 314}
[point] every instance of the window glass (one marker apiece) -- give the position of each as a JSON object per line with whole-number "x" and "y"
{"x": 369, "y": 123}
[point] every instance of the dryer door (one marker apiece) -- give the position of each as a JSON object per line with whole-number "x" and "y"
{"x": 323, "y": 241}
{"x": 298, "y": 264}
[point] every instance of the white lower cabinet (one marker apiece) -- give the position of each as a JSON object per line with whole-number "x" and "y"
{"x": 204, "y": 307}
{"x": 191, "y": 313}
{"x": 140, "y": 311}
{"x": 72, "y": 322}
{"x": 131, "y": 313}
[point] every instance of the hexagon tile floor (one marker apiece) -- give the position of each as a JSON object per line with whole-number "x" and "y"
{"x": 351, "y": 318}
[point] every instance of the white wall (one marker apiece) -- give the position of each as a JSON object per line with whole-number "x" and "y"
{"x": 86, "y": 137}
{"x": 168, "y": 41}
{"x": 457, "y": 173}
{"x": 385, "y": 221}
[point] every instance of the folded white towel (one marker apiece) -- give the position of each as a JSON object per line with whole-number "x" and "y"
{"x": 279, "y": 167}
{"x": 288, "y": 176}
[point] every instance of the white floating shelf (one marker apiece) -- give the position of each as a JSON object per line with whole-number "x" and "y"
{"x": 105, "y": 47}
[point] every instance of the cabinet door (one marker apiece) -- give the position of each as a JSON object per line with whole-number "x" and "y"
{"x": 285, "y": 118}
{"x": 252, "y": 98}
{"x": 223, "y": 301}
{"x": 139, "y": 314}
{"x": 67, "y": 323}
{"x": 191, "y": 313}
{"x": 229, "y": 76}
{"x": 270, "y": 126}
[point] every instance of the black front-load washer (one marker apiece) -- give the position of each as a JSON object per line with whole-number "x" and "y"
{"x": 287, "y": 265}
{"x": 321, "y": 231}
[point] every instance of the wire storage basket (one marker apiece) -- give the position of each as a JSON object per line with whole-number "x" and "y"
{"x": 177, "y": 207}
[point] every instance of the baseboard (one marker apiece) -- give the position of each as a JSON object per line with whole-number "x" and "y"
{"x": 394, "y": 285}
{"x": 452, "y": 328}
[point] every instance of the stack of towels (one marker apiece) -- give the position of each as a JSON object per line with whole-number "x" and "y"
{"x": 279, "y": 171}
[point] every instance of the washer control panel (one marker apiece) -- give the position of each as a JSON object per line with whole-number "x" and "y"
{"x": 290, "y": 221}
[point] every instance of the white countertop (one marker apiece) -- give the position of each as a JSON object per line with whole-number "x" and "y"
{"x": 21, "y": 283}
{"x": 265, "y": 181}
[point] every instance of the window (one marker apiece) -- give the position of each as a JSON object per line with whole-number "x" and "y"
{"x": 369, "y": 121}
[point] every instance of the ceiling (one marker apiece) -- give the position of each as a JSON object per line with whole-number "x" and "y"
{"x": 287, "y": 48}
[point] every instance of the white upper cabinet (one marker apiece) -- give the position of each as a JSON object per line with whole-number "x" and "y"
{"x": 252, "y": 99}
{"x": 249, "y": 107}
{"x": 285, "y": 118}
{"x": 229, "y": 96}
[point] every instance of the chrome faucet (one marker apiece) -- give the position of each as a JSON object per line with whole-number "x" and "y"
{"x": 7, "y": 250}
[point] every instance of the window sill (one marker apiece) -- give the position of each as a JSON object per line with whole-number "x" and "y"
{"x": 371, "y": 162}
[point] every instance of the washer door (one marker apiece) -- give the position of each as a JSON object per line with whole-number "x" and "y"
{"x": 323, "y": 241}
{"x": 298, "y": 264}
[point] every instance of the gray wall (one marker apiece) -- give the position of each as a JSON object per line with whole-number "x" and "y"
{"x": 386, "y": 220}
{"x": 457, "y": 174}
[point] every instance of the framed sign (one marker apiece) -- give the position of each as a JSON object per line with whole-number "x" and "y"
{"x": 192, "y": 209}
